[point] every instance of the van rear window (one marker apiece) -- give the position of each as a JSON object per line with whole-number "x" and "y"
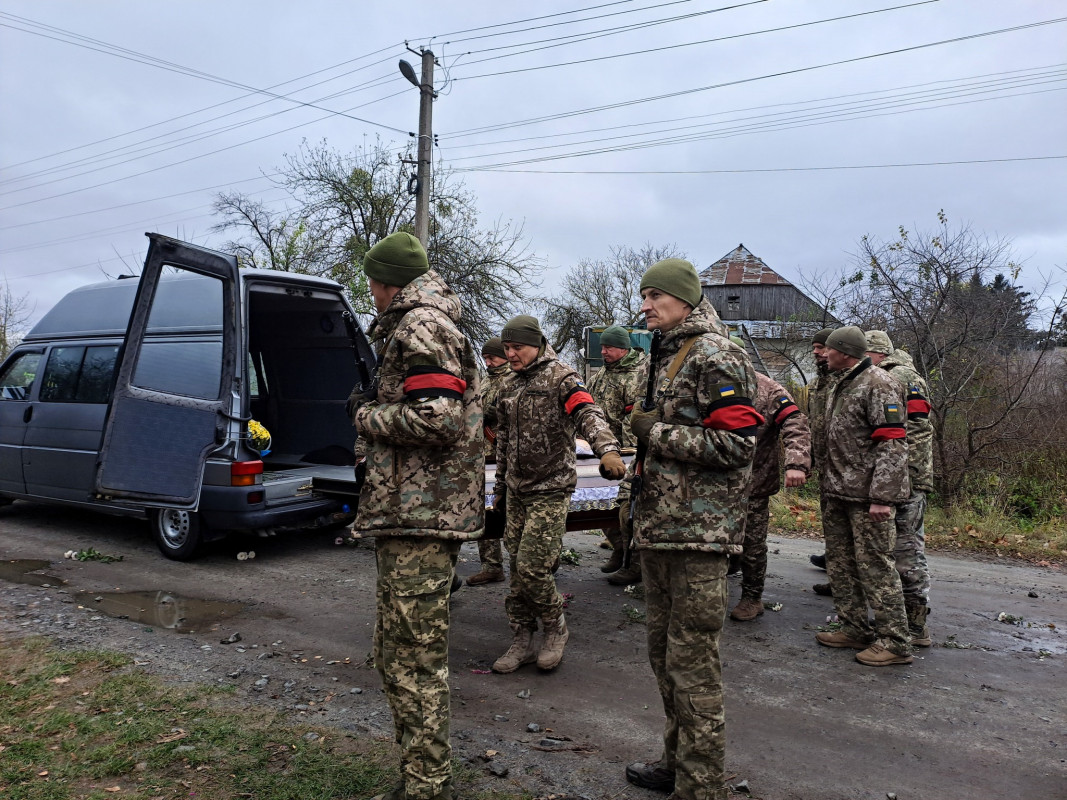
{"x": 191, "y": 369}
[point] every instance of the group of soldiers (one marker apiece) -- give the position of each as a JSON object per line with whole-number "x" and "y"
{"x": 427, "y": 427}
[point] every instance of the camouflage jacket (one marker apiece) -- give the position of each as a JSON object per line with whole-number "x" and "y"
{"x": 617, "y": 387}
{"x": 866, "y": 444}
{"x": 818, "y": 393}
{"x": 492, "y": 384}
{"x": 699, "y": 457}
{"x": 423, "y": 437}
{"x": 539, "y": 410}
{"x": 781, "y": 418}
{"x": 920, "y": 427}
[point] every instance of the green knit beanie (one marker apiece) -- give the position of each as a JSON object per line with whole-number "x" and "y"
{"x": 738, "y": 341}
{"x": 615, "y": 336}
{"x": 675, "y": 277}
{"x": 821, "y": 336}
{"x": 396, "y": 260}
{"x": 523, "y": 329}
{"x": 848, "y": 340}
{"x": 494, "y": 347}
{"x": 879, "y": 342}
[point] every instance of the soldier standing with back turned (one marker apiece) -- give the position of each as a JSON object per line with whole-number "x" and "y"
{"x": 616, "y": 387}
{"x": 423, "y": 496}
{"x": 690, "y": 517}
{"x": 496, "y": 363}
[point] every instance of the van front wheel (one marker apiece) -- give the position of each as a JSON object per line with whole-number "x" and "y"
{"x": 178, "y": 533}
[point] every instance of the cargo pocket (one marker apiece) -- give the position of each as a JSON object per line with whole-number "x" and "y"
{"x": 705, "y": 603}
{"x": 419, "y": 608}
{"x": 706, "y": 705}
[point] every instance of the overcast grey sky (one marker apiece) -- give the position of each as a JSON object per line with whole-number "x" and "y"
{"x": 775, "y": 105}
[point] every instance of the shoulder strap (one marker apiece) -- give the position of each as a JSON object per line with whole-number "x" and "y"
{"x": 679, "y": 357}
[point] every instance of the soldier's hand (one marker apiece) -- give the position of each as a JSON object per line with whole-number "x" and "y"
{"x": 611, "y": 466}
{"x": 500, "y": 500}
{"x": 795, "y": 478}
{"x": 880, "y": 513}
{"x": 355, "y": 402}
{"x": 641, "y": 423}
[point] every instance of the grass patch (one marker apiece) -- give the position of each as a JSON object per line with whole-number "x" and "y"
{"x": 86, "y": 725}
{"x": 957, "y": 528}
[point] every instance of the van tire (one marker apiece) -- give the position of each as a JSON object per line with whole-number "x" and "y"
{"x": 178, "y": 533}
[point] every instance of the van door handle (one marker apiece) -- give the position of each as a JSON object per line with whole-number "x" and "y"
{"x": 27, "y": 415}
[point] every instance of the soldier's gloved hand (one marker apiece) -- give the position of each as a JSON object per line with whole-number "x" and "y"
{"x": 356, "y": 401}
{"x": 611, "y": 466}
{"x": 500, "y": 500}
{"x": 641, "y": 423}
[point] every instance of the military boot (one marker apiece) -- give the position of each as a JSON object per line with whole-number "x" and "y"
{"x": 917, "y": 612}
{"x": 615, "y": 561}
{"x": 556, "y": 636}
{"x": 626, "y": 575}
{"x": 521, "y": 651}
{"x": 748, "y": 609}
{"x": 486, "y": 575}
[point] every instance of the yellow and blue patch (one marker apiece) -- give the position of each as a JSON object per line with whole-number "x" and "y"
{"x": 727, "y": 391}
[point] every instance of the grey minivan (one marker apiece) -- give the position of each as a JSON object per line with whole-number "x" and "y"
{"x": 134, "y": 397}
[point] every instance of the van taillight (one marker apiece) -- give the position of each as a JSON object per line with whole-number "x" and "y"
{"x": 245, "y": 473}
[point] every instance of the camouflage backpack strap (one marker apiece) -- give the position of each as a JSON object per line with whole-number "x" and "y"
{"x": 676, "y": 363}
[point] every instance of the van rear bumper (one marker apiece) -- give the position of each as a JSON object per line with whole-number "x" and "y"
{"x": 224, "y": 509}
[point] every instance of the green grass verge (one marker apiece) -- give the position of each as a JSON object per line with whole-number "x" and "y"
{"x": 85, "y": 725}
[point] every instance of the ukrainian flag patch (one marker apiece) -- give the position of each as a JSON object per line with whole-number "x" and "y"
{"x": 727, "y": 391}
{"x": 893, "y": 413}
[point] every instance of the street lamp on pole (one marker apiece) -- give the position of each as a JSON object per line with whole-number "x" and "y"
{"x": 424, "y": 151}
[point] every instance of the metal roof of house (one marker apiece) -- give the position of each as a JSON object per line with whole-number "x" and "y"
{"x": 740, "y": 267}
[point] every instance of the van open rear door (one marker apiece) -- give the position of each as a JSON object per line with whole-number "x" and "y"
{"x": 175, "y": 377}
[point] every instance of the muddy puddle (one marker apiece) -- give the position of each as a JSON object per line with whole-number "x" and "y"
{"x": 161, "y": 609}
{"x": 27, "y": 571}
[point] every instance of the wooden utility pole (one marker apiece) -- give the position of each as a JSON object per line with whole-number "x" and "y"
{"x": 425, "y": 151}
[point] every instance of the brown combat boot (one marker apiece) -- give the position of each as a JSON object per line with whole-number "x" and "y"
{"x": 877, "y": 655}
{"x": 556, "y": 636}
{"x": 617, "y": 552}
{"x": 840, "y": 639}
{"x": 823, "y": 589}
{"x": 917, "y": 613}
{"x": 486, "y": 575}
{"x": 748, "y": 609}
{"x": 626, "y": 575}
{"x": 521, "y": 651}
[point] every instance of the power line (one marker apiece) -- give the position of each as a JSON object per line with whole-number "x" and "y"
{"x": 740, "y": 81}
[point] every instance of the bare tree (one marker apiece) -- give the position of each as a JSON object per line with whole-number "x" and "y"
{"x": 345, "y": 203}
{"x": 15, "y": 312}
{"x": 600, "y": 292}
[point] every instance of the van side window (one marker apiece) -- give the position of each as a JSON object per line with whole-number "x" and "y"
{"x": 79, "y": 374}
{"x": 17, "y": 379}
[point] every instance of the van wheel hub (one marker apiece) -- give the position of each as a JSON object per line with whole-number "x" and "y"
{"x": 174, "y": 527}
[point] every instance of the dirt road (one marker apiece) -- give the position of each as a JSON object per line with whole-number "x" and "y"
{"x": 981, "y": 715}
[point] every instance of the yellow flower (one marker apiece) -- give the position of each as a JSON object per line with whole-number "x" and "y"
{"x": 258, "y": 435}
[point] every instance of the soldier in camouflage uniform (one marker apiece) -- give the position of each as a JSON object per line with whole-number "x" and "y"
{"x": 496, "y": 363}
{"x": 701, "y": 437}
{"x": 544, "y": 404}
{"x": 616, "y": 387}
{"x": 782, "y": 420}
{"x": 423, "y": 496}
{"x": 818, "y": 391}
{"x": 864, "y": 478}
{"x": 910, "y": 550}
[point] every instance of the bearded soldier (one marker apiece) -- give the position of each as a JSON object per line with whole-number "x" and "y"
{"x": 864, "y": 479}
{"x": 690, "y": 516}
{"x": 423, "y": 496}
{"x": 544, "y": 405}
{"x": 496, "y": 363}
{"x": 616, "y": 387}
{"x": 910, "y": 550}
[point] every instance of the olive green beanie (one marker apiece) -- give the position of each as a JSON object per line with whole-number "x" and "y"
{"x": 615, "y": 336}
{"x": 738, "y": 341}
{"x": 396, "y": 260}
{"x": 821, "y": 336}
{"x": 879, "y": 342}
{"x": 494, "y": 347}
{"x": 848, "y": 340}
{"x": 523, "y": 329}
{"x": 675, "y": 277}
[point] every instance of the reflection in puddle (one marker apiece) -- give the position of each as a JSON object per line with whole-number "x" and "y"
{"x": 160, "y": 609}
{"x": 22, "y": 570}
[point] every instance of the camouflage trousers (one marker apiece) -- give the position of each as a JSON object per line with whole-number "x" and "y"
{"x": 490, "y": 554}
{"x": 910, "y": 549}
{"x": 859, "y": 563}
{"x": 685, "y": 595}
{"x": 411, "y": 655}
{"x": 754, "y": 555}
{"x": 533, "y": 537}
